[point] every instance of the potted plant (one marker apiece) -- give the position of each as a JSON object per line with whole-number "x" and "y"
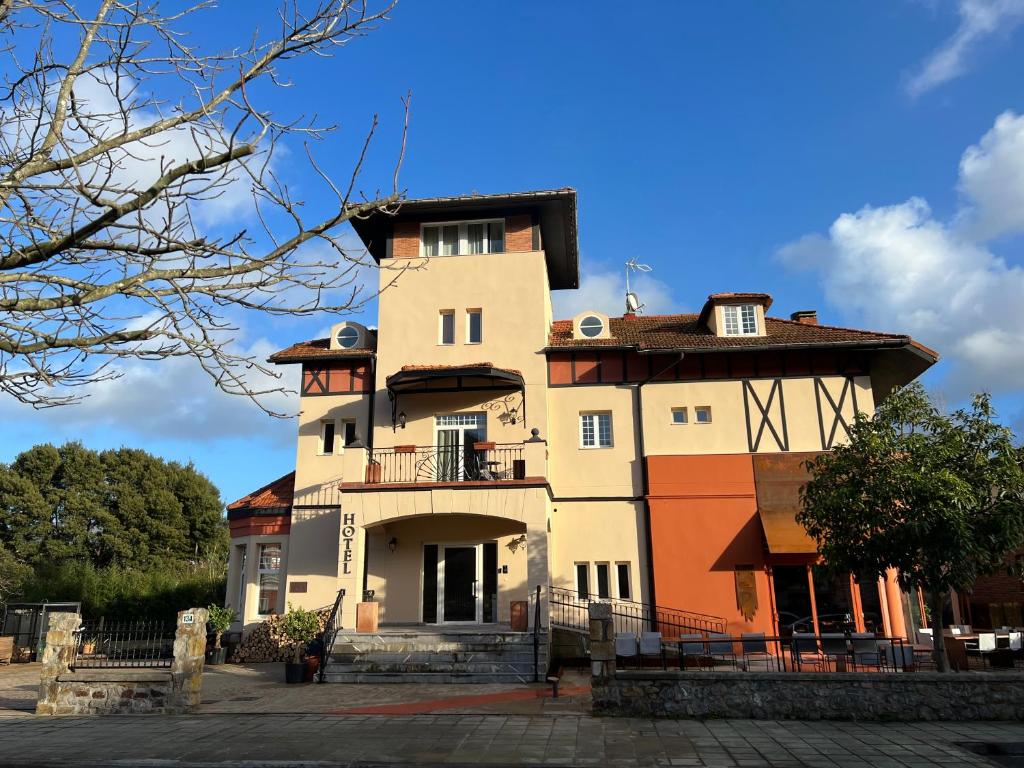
{"x": 300, "y": 627}
{"x": 219, "y": 622}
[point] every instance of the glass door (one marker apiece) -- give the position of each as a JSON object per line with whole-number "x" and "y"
{"x": 456, "y": 434}
{"x": 459, "y": 588}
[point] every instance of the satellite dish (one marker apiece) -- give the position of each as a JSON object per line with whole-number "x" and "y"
{"x": 633, "y": 303}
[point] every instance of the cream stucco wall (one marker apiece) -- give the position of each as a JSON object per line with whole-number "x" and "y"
{"x": 248, "y": 609}
{"x": 311, "y": 468}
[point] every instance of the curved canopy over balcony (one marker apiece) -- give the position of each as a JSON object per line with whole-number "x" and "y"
{"x": 472, "y": 377}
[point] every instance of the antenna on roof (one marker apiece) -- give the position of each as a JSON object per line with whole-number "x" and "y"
{"x": 633, "y": 304}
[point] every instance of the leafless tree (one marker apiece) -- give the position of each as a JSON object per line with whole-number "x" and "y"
{"x": 117, "y": 137}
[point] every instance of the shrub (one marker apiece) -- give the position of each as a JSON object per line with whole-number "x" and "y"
{"x": 300, "y": 626}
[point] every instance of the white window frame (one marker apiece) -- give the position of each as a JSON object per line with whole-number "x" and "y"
{"x": 469, "y": 314}
{"x": 629, "y": 580}
{"x": 322, "y": 438}
{"x": 596, "y": 429}
{"x": 734, "y": 320}
{"x": 600, "y": 330}
{"x": 463, "y": 241}
{"x": 261, "y": 571}
{"x": 441, "y": 315}
{"x": 697, "y": 410}
{"x": 686, "y": 416}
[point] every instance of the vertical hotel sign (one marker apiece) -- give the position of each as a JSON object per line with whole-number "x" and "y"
{"x": 348, "y": 533}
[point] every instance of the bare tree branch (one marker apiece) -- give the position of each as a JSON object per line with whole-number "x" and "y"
{"x": 108, "y": 157}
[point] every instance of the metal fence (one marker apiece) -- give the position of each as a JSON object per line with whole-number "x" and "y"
{"x": 446, "y": 463}
{"x": 105, "y": 644}
{"x": 570, "y": 610}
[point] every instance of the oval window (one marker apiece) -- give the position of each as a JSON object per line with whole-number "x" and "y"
{"x": 591, "y": 326}
{"x": 348, "y": 337}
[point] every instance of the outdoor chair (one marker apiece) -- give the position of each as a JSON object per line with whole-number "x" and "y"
{"x": 805, "y": 651}
{"x": 955, "y": 630}
{"x": 985, "y": 646}
{"x": 626, "y": 647}
{"x": 834, "y": 648}
{"x": 720, "y": 648}
{"x": 1017, "y": 646}
{"x": 866, "y": 652}
{"x": 650, "y": 645}
{"x": 925, "y": 658}
{"x": 756, "y": 647}
{"x": 925, "y": 636}
{"x": 900, "y": 655}
{"x": 692, "y": 646}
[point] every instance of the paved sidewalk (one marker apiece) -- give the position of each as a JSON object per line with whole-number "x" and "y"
{"x": 325, "y": 740}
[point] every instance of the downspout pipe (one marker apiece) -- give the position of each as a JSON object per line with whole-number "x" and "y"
{"x": 645, "y": 481}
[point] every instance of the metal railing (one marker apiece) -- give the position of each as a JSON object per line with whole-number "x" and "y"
{"x": 131, "y": 644}
{"x": 446, "y": 463}
{"x": 331, "y": 628}
{"x": 569, "y": 610}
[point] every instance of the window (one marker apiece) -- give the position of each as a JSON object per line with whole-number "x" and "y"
{"x": 350, "y": 432}
{"x": 703, "y": 414}
{"x": 327, "y": 437}
{"x": 447, "y": 327}
{"x": 622, "y": 571}
{"x": 583, "y": 581}
{"x": 591, "y": 326}
{"x": 604, "y": 590}
{"x": 595, "y": 430}
{"x": 464, "y": 237}
{"x": 474, "y": 326}
{"x": 348, "y": 337}
{"x": 270, "y": 577}
{"x": 241, "y": 549}
{"x": 679, "y": 416}
{"x": 740, "y": 320}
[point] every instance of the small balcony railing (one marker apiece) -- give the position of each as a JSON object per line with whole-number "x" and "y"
{"x": 476, "y": 462}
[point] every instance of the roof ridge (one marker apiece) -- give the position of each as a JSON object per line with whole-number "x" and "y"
{"x": 837, "y": 328}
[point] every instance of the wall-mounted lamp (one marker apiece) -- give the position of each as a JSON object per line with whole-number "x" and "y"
{"x": 401, "y": 419}
{"x": 516, "y": 543}
{"x": 393, "y": 544}
{"x": 513, "y": 417}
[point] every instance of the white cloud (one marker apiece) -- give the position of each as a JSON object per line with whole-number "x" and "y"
{"x": 979, "y": 20}
{"x": 604, "y": 290}
{"x": 992, "y": 179}
{"x": 899, "y": 268}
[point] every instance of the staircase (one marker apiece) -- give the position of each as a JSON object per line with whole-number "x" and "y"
{"x": 477, "y": 654}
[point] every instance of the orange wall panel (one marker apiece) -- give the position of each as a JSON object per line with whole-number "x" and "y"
{"x": 262, "y": 525}
{"x": 518, "y": 234}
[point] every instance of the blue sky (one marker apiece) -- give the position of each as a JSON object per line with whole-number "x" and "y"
{"x": 866, "y": 160}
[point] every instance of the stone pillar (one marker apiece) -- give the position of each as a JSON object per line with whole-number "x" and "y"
{"x": 189, "y": 655}
{"x": 602, "y": 641}
{"x": 894, "y": 603}
{"x": 57, "y": 658}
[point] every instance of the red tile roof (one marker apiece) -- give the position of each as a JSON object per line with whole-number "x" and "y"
{"x": 317, "y": 349}
{"x": 457, "y": 367}
{"x": 685, "y": 332}
{"x": 275, "y": 495}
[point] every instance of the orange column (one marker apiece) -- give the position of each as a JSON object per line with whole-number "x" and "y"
{"x": 884, "y": 606}
{"x": 814, "y": 603}
{"x": 894, "y": 599}
{"x": 856, "y": 607}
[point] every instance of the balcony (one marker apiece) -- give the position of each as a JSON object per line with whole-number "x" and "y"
{"x": 476, "y": 462}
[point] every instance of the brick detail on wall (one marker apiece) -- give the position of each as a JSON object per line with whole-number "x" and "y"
{"x": 519, "y": 233}
{"x": 406, "y": 241}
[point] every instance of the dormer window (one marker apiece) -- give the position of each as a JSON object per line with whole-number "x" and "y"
{"x": 460, "y": 238}
{"x": 740, "y": 319}
{"x": 348, "y": 337}
{"x": 591, "y": 326}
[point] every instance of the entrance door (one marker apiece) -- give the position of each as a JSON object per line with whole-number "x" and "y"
{"x": 460, "y": 601}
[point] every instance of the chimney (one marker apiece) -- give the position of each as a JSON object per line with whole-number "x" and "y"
{"x": 805, "y": 316}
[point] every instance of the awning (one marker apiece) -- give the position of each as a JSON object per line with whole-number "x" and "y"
{"x": 474, "y": 377}
{"x": 777, "y": 480}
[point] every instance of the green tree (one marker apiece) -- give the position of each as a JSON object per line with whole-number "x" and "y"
{"x": 14, "y": 575}
{"x": 938, "y": 497}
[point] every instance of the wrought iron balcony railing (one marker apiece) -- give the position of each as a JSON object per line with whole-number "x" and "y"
{"x": 446, "y": 463}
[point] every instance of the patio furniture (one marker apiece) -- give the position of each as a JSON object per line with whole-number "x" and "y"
{"x": 900, "y": 655}
{"x": 984, "y": 646}
{"x": 691, "y": 645}
{"x": 650, "y": 645}
{"x": 6, "y": 649}
{"x": 1016, "y": 643}
{"x": 626, "y": 647}
{"x": 805, "y": 651}
{"x": 720, "y": 648}
{"x": 865, "y": 650}
{"x": 833, "y": 646}
{"x": 754, "y": 646}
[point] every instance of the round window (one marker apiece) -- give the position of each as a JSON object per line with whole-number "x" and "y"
{"x": 591, "y": 326}
{"x": 348, "y": 337}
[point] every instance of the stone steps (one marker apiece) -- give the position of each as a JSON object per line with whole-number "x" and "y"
{"x": 436, "y": 656}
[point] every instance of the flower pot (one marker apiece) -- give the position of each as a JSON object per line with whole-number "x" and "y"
{"x": 216, "y": 656}
{"x": 294, "y": 673}
{"x": 312, "y": 665}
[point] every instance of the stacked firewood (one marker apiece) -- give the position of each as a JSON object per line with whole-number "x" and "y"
{"x": 266, "y": 642}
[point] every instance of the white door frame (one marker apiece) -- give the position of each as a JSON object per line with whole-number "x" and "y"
{"x": 478, "y": 611}
{"x": 460, "y": 456}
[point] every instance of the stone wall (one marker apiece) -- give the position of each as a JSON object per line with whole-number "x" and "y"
{"x": 98, "y": 691}
{"x": 811, "y": 695}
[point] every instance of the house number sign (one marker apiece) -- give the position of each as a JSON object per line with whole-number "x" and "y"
{"x": 188, "y": 618}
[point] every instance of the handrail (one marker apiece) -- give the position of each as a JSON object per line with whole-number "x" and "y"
{"x": 572, "y": 611}
{"x": 536, "y": 636}
{"x": 331, "y": 630}
{"x": 446, "y": 463}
